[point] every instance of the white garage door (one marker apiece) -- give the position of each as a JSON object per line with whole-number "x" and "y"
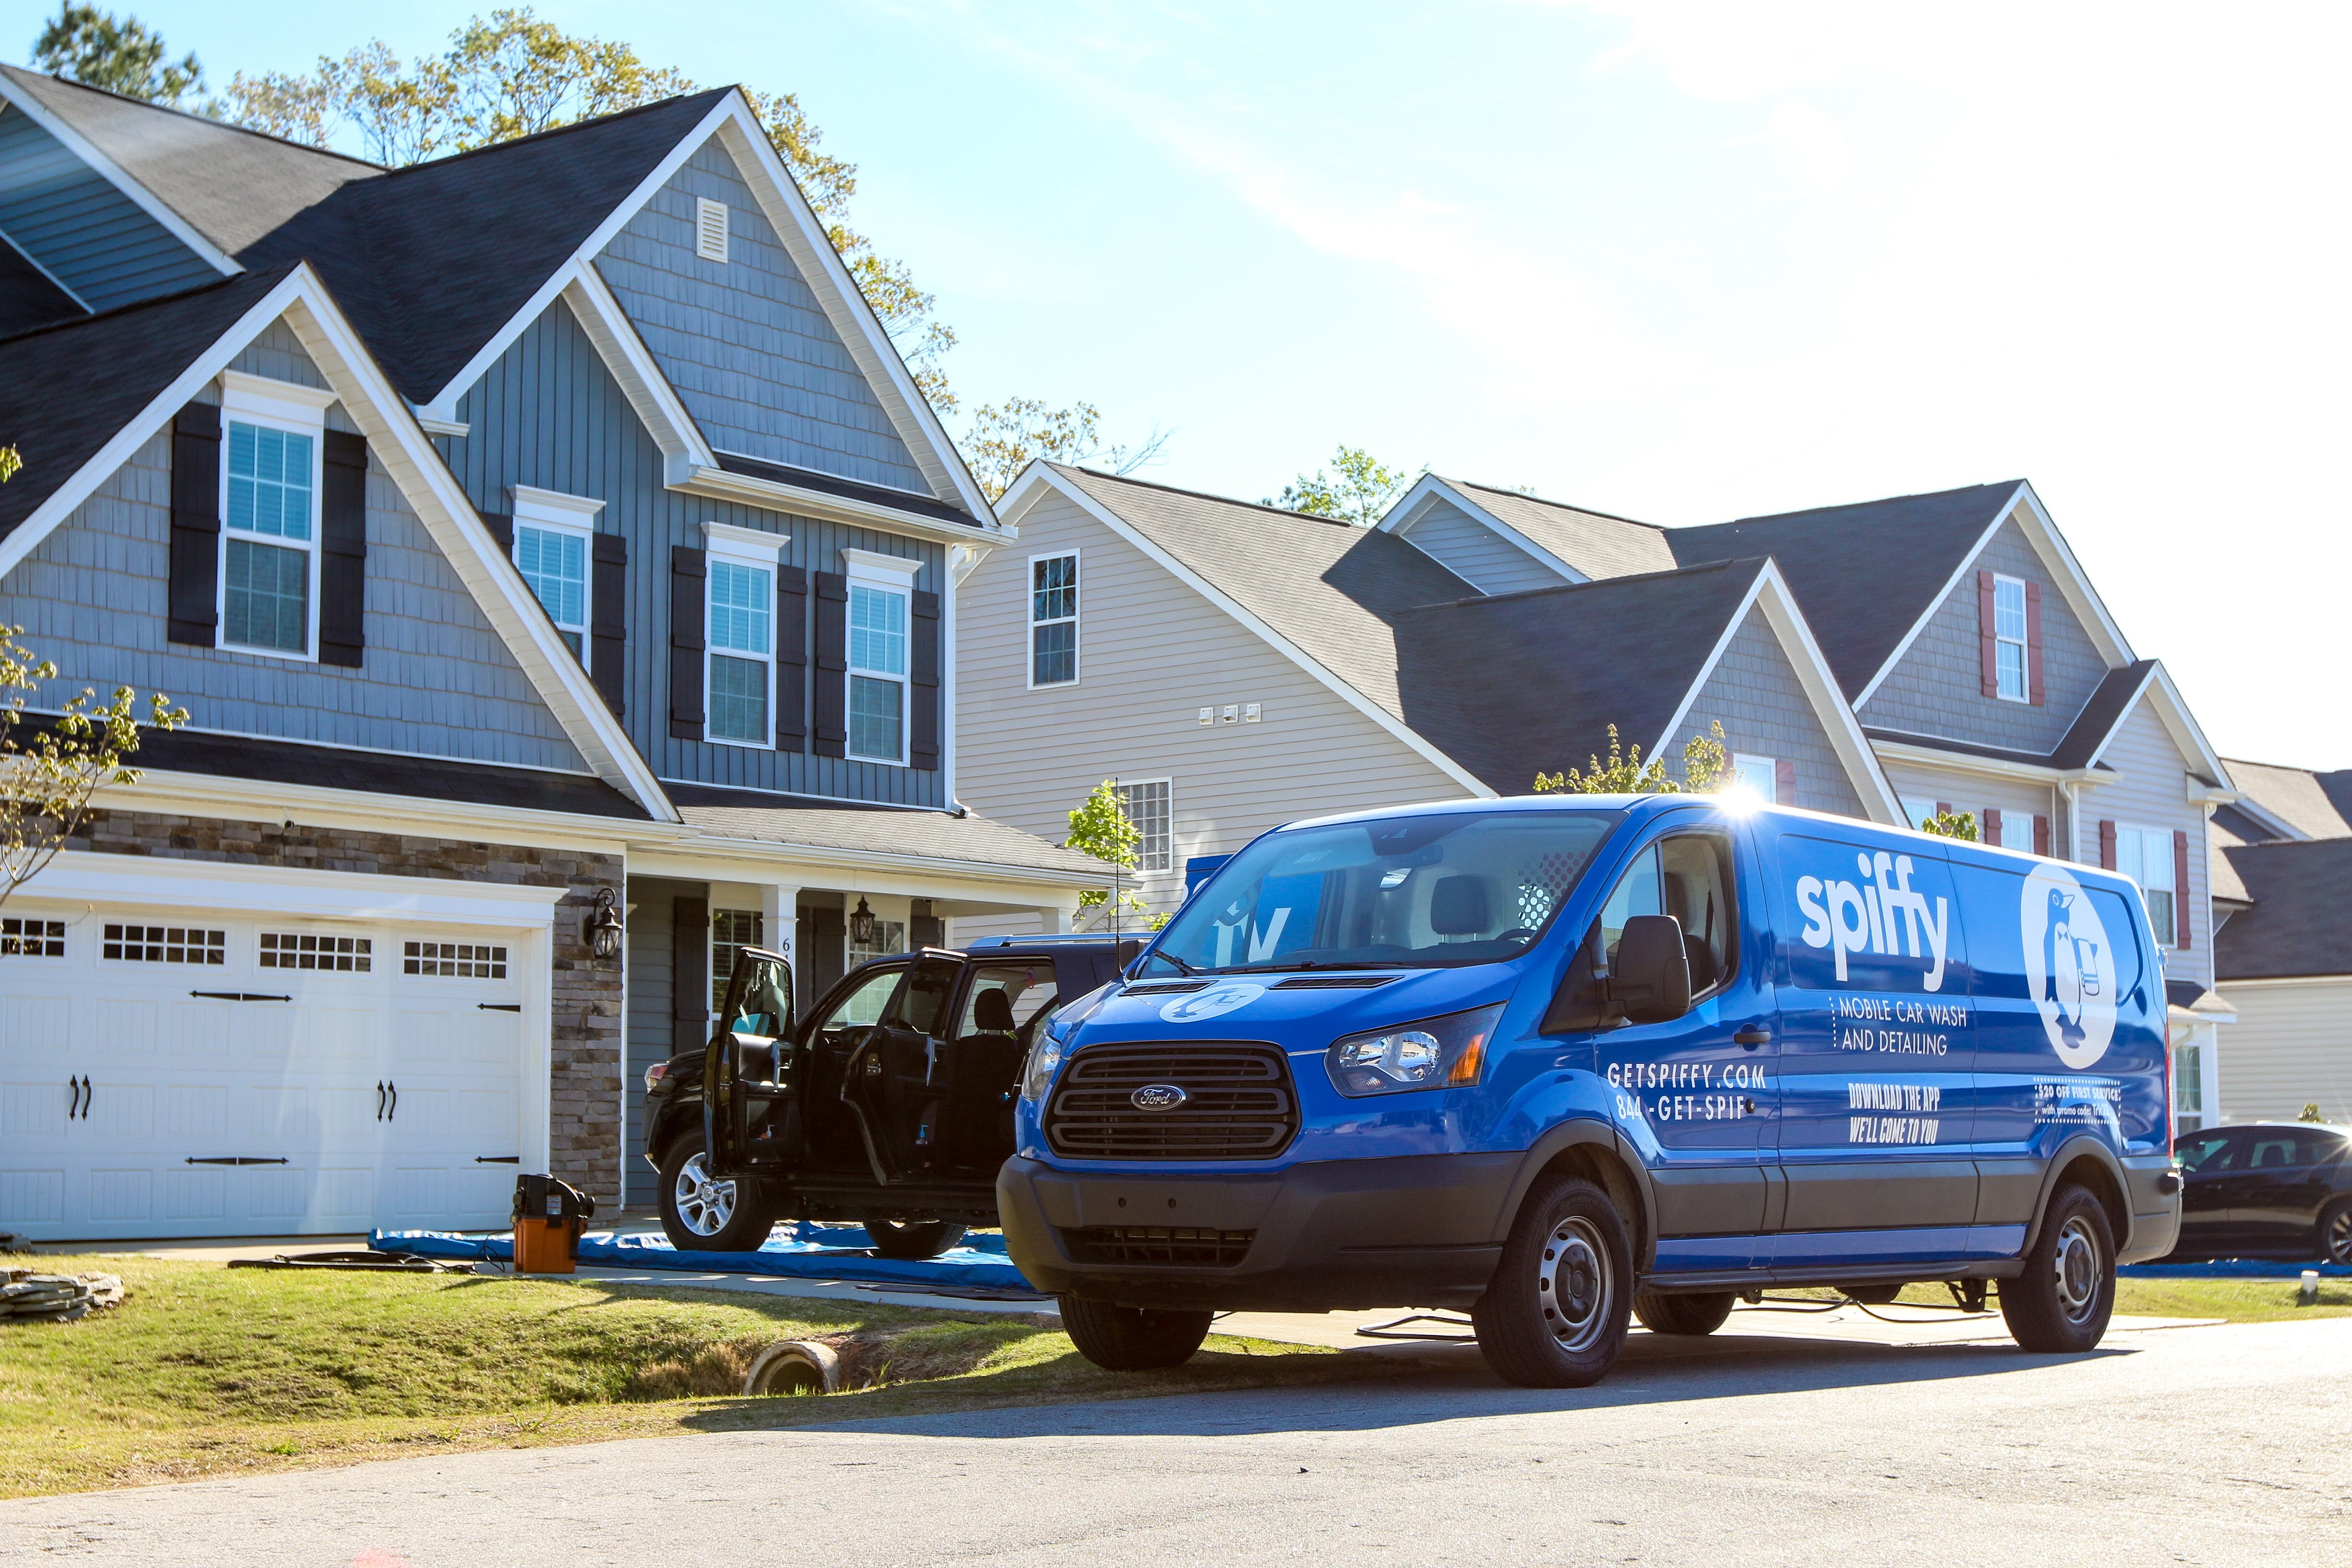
{"x": 167, "y": 1074}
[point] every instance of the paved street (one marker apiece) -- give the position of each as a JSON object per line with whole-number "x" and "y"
{"x": 2200, "y": 1445}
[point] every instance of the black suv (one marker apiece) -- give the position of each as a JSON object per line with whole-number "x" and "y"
{"x": 2267, "y": 1189}
{"x": 889, "y": 1106}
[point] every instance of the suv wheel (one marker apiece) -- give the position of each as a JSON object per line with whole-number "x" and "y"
{"x": 912, "y": 1238}
{"x": 1681, "y": 1312}
{"x": 699, "y": 1215}
{"x": 1555, "y": 1314}
{"x": 2060, "y": 1304}
{"x": 1132, "y": 1339}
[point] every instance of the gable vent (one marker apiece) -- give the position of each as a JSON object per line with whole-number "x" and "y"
{"x": 709, "y": 229}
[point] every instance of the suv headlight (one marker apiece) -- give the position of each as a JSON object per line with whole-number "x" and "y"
{"x": 1434, "y": 1053}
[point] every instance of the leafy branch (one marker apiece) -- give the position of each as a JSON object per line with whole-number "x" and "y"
{"x": 1706, "y": 768}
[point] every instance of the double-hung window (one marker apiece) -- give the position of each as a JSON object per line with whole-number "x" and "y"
{"x": 879, "y": 589}
{"x": 1053, "y": 619}
{"x": 2009, "y": 637}
{"x": 1145, "y": 805}
{"x": 552, "y": 535}
{"x": 742, "y": 636}
{"x": 272, "y": 443}
{"x": 2145, "y": 855}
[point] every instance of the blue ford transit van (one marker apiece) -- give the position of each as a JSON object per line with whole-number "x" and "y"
{"x": 1564, "y": 1059}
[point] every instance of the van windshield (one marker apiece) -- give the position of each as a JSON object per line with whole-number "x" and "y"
{"x": 1407, "y": 892}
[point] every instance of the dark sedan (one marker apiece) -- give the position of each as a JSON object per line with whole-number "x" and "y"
{"x": 2280, "y": 1190}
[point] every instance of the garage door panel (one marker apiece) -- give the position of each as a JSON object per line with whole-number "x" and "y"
{"x": 484, "y": 1116}
{"x": 263, "y": 1033}
{"x": 197, "y": 1030}
{"x": 117, "y": 1197}
{"x": 196, "y": 1113}
{"x": 342, "y": 1034}
{"x": 118, "y": 1110}
{"x": 134, "y": 1029}
{"x": 36, "y": 1022}
{"x": 195, "y": 1195}
{"x": 419, "y": 1036}
{"x": 32, "y": 1197}
{"x": 483, "y": 1195}
{"x": 33, "y": 1108}
{"x": 420, "y": 1196}
{"x": 423, "y": 1115}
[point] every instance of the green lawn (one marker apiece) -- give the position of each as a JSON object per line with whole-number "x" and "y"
{"x": 2237, "y": 1301}
{"x": 206, "y": 1369}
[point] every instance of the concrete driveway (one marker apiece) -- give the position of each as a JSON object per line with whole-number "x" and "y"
{"x": 2198, "y": 1445}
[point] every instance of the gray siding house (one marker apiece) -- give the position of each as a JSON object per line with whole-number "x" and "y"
{"x": 608, "y": 573}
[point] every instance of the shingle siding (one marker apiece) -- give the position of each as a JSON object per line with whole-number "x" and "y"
{"x": 1937, "y": 686}
{"x": 745, "y": 342}
{"x": 437, "y": 679}
{"x": 549, "y": 414}
{"x": 91, "y": 237}
{"x": 1755, "y": 694}
{"x": 1477, "y": 553}
{"x": 2290, "y": 1047}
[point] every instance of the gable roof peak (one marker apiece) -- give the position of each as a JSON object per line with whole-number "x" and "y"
{"x": 26, "y": 77}
{"x": 1314, "y": 517}
{"x": 1532, "y": 497}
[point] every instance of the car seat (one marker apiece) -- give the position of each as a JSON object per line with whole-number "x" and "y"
{"x": 1457, "y": 907}
{"x": 984, "y": 1075}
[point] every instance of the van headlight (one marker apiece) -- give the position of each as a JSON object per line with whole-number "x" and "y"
{"x": 1433, "y": 1053}
{"x": 1043, "y": 1058}
{"x": 1054, "y": 1040}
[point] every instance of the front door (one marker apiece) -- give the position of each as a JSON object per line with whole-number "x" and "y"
{"x": 1700, "y": 1084}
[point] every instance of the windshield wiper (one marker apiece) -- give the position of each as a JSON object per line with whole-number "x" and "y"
{"x": 1181, "y": 967}
{"x": 1314, "y": 963}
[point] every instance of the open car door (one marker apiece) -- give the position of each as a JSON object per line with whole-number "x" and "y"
{"x": 750, "y": 1123}
{"x": 896, "y": 1082}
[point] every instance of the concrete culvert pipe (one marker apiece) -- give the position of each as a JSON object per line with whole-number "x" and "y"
{"x": 795, "y": 1366}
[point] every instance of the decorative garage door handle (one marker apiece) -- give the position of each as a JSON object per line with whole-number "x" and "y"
{"x": 499, "y": 1007}
{"x": 78, "y": 1094}
{"x": 379, "y": 1100}
{"x": 498, "y": 1158}
{"x": 238, "y": 996}
{"x": 238, "y": 1160}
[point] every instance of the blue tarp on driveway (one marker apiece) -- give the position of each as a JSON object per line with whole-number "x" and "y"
{"x": 794, "y": 1251}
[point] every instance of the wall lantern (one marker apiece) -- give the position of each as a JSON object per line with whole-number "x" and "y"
{"x": 603, "y": 925}
{"x": 861, "y": 926}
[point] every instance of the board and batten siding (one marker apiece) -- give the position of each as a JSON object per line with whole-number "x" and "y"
{"x": 1152, "y": 652}
{"x": 437, "y": 680}
{"x": 2018, "y": 801}
{"x": 744, "y": 341}
{"x": 2290, "y": 1047}
{"x": 2151, "y": 789}
{"x": 1937, "y": 687}
{"x": 1754, "y": 693}
{"x": 1475, "y": 553}
{"x": 88, "y": 235}
{"x": 549, "y": 414}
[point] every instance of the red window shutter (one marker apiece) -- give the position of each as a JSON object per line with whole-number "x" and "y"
{"x": 1943, "y": 808}
{"x": 1992, "y": 825}
{"x": 2180, "y": 888}
{"x": 2107, "y": 845}
{"x": 2033, "y": 689}
{"x": 1784, "y": 781}
{"x": 2040, "y": 834}
{"x": 1987, "y": 649}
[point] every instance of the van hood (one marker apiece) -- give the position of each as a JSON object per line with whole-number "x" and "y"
{"x": 1273, "y": 1005}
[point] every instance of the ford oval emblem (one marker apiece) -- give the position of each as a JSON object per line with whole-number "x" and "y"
{"x": 1157, "y": 1097}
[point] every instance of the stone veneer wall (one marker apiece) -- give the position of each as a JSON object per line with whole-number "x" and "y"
{"x": 585, "y": 1052}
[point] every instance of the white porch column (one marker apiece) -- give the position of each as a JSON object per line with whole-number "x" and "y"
{"x": 779, "y": 920}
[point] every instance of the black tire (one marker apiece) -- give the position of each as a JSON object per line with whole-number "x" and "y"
{"x": 1681, "y": 1312}
{"x": 1132, "y": 1339}
{"x": 912, "y": 1238}
{"x": 2336, "y": 1234}
{"x": 1871, "y": 1295}
{"x": 2060, "y": 1304}
{"x": 1555, "y": 1314}
{"x": 702, "y": 1215}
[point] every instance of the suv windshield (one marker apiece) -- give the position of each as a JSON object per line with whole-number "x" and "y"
{"x": 1448, "y": 888}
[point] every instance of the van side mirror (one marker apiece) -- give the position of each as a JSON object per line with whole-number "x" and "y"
{"x": 1651, "y": 979}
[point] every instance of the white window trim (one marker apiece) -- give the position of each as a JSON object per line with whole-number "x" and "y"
{"x": 761, "y": 550}
{"x": 889, "y": 574}
{"x": 1174, "y": 864}
{"x": 712, "y": 219}
{"x": 299, "y": 410}
{"x": 2163, "y": 838}
{"x": 553, "y": 511}
{"x": 1771, "y": 766}
{"x": 2023, "y": 644}
{"x": 1029, "y": 622}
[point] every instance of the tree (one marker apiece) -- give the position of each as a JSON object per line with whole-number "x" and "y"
{"x": 1951, "y": 825}
{"x": 49, "y": 776}
{"x": 1361, "y": 493}
{"x": 1005, "y": 438}
{"x": 1706, "y": 768}
{"x": 84, "y": 44}
{"x": 2311, "y": 1112}
{"x": 1100, "y": 828}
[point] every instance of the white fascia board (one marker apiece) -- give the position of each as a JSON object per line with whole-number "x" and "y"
{"x": 86, "y": 876}
{"x": 861, "y": 331}
{"x": 2172, "y": 711}
{"x": 114, "y": 174}
{"x": 1769, "y": 592}
{"x": 1928, "y": 754}
{"x": 700, "y": 853}
{"x": 262, "y": 800}
{"x": 714, "y": 483}
{"x": 1025, "y": 494}
{"x": 1400, "y": 518}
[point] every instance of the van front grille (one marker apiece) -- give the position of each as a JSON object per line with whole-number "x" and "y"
{"x": 1237, "y": 1104}
{"x": 1163, "y": 1247}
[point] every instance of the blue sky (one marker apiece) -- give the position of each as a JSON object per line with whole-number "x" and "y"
{"x": 1682, "y": 262}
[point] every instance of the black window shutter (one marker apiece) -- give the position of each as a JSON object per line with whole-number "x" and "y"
{"x": 792, "y": 657}
{"x": 501, "y": 527}
{"x": 608, "y": 627}
{"x": 686, "y": 571}
{"x": 923, "y": 731}
{"x": 342, "y": 537}
{"x": 195, "y": 596}
{"x": 832, "y": 738}
{"x": 690, "y": 970}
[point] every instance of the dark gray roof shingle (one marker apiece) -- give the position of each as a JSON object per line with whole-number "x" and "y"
{"x": 2300, "y": 923}
{"x": 29, "y": 297}
{"x": 1593, "y": 543}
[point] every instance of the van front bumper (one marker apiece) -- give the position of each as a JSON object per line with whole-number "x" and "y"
{"x": 1414, "y": 1231}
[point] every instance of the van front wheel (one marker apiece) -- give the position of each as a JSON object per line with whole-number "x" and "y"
{"x": 1554, "y": 1316}
{"x": 2060, "y": 1304}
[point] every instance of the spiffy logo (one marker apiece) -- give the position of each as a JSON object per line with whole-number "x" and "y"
{"x": 2070, "y": 967}
{"x": 1880, "y": 915}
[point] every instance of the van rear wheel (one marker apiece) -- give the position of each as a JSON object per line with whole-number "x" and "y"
{"x": 2060, "y": 1304}
{"x": 1681, "y": 1312}
{"x": 1132, "y": 1339}
{"x": 1555, "y": 1314}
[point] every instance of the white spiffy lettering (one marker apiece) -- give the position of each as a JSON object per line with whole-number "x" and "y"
{"x": 1844, "y": 938}
{"x": 1808, "y": 904}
